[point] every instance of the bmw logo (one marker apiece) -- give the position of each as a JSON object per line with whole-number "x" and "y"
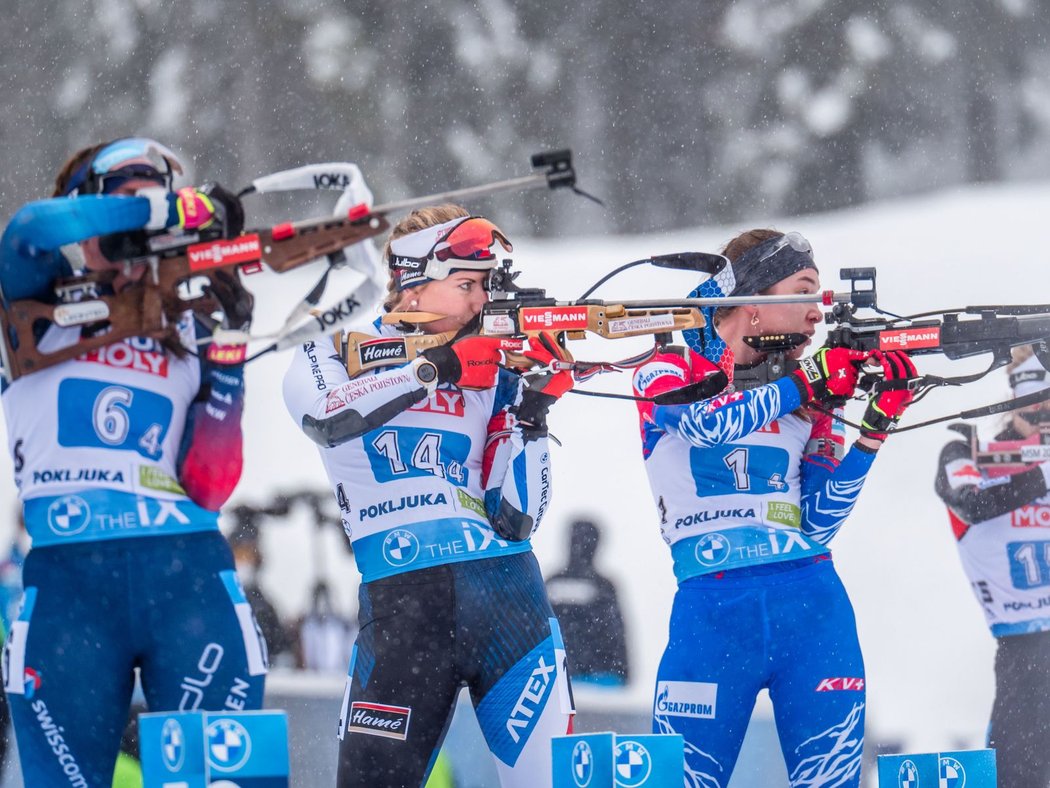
{"x": 582, "y": 764}
{"x": 400, "y": 547}
{"x": 68, "y": 515}
{"x": 951, "y": 774}
{"x": 712, "y": 549}
{"x": 228, "y": 744}
{"x": 172, "y": 745}
{"x": 633, "y": 763}
{"x": 908, "y": 775}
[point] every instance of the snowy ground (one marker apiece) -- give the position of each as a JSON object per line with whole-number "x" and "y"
{"x": 928, "y": 653}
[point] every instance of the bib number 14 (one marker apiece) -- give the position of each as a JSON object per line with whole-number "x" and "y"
{"x": 409, "y": 452}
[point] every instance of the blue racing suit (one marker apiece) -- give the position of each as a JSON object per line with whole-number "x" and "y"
{"x": 122, "y": 458}
{"x": 432, "y": 484}
{"x": 750, "y": 489}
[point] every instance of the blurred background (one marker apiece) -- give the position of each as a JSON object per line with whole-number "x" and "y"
{"x": 914, "y": 137}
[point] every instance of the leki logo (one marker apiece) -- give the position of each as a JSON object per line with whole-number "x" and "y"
{"x": 910, "y": 338}
{"x": 565, "y": 317}
{"x": 245, "y": 249}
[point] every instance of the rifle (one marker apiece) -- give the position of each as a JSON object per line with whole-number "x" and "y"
{"x": 178, "y": 262}
{"x": 955, "y": 333}
{"x": 518, "y": 313}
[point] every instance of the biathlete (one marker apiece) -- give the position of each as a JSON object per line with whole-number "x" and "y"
{"x": 751, "y": 486}
{"x": 441, "y": 467}
{"x": 123, "y": 456}
{"x": 999, "y": 508}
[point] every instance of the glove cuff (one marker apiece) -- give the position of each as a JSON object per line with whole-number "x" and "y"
{"x": 801, "y": 381}
{"x": 532, "y": 413}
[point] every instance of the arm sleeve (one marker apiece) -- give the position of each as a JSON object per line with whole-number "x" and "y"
{"x": 515, "y": 471}
{"x": 332, "y": 409}
{"x": 29, "y": 248}
{"x": 211, "y": 455}
{"x": 830, "y": 488}
{"x": 728, "y": 417}
{"x": 974, "y": 498}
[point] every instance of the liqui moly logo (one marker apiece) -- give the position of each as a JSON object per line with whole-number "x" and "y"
{"x": 244, "y": 249}
{"x": 148, "y": 357}
{"x": 839, "y": 684}
{"x": 910, "y": 338}
{"x": 562, "y": 318}
{"x": 448, "y": 403}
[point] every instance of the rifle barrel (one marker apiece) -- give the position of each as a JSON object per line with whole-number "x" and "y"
{"x": 524, "y": 182}
{"x": 826, "y": 297}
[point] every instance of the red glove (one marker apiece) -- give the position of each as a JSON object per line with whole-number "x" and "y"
{"x": 545, "y": 350}
{"x": 885, "y": 408}
{"x": 829, "y": 375}
{"x": 472, "y": 362}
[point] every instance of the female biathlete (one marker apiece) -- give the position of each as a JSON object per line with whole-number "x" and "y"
{"x": 122, "y": 459}
{"x": 441, "y": 468}
{"x": 751, "y": 486}
{"x": 999, "y": 508}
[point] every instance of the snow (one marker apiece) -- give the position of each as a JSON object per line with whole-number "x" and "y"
{"x": 928, "y": 652}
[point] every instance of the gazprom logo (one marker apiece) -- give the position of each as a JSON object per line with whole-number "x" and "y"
{"x": 229, "y": 744}
{"x": 68, "y": 515}
{"x": 172, "y": 745}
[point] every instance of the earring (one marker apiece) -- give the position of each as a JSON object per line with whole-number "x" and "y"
{"x": 414, "y": 304}
{"x": 754, "y": 319}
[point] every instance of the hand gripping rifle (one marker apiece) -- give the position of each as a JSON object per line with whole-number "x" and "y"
{"x": 955, "y": 333}
{"x": 177, "y": 263}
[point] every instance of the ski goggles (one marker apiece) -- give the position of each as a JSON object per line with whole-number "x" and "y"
{"x": 762, "y": 266}
{"x": 435, "y": 252}
{"x": 124, "y": 160}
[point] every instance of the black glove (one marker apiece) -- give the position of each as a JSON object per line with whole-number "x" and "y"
{"x": 233, "y": 298}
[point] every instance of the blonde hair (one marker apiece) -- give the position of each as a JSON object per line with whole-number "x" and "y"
{"x": 419, "y": 219}
{"x": 1020, "y": 354}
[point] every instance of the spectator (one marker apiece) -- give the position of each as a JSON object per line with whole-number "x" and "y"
{"x": 586, "y": 604}
{"x": 248, "y": 558}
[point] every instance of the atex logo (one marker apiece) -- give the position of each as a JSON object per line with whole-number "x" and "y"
{"x": 1030, "y": 517}
{"x": 530, "y": 701}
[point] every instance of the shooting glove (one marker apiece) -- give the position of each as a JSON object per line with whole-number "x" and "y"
{"x": 226, "y": 208}
{"x": 886, "y": 407}
{"x": 542, "y": 388}
{"x": 829, "y": 376}
{"x": 233, "y": 298}
{"x": 469, "y": 363}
